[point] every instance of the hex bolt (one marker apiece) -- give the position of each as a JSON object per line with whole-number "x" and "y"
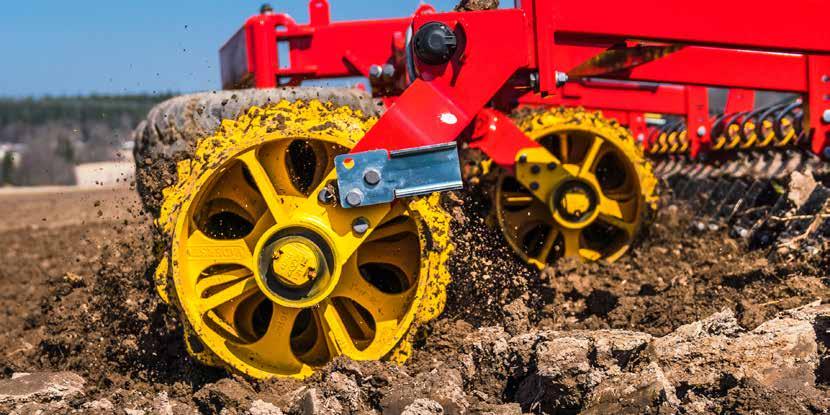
{"x": 388, "y": 71}
{"x": 354, "y": 197}
{"x": 701, "y": 131}
{"x": 375, "y": 71}
{"x": 325, "y": 196}
{"x": 371, "y": 176}
{"x": 551, "y": 166}
{"x": 360, "y": 225}
{"x": 535, "y": 169}
{"x": 534, "y": 186}
{"x": 561, "y": 78}
{"x": 825, "y": 116}
{"x": 534, "y": 80}
{"x": 523, "y": 158}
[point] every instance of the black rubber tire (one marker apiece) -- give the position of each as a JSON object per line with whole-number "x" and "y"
{"x": 173, "y": 127}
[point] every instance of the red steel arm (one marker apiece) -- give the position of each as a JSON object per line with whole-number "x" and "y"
{"x": 792, "y": 26}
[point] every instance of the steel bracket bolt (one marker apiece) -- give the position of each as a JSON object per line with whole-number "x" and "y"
{"x": 551, "y": 166}
{"x": 371, "y": 176}
{"x": 523, "y": 158}
{"x": 534, "y": 81}
{"x": 534, "y": 186}
{"x": 825, "y": 116}
{"x": 354, "y": 197}
{"x": 701, "y": 131}
{"x": 360, "y": 225}
{"x": 561, "y": 78}
{"x": 325, "y": 196}
{"x": 375, "y": 71}
{"x": 535, "y": 169}
{"x": 388, "y": 71}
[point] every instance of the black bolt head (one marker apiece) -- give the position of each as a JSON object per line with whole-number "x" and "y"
{"x": 535, "y": 169}
{"x": 534, "y": 186}
{"x": 435, "y": 43}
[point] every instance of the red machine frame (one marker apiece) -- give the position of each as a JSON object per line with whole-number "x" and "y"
{"x": 511, "y": 56}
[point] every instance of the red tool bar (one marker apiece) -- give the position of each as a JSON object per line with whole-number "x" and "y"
{"x": 792, "y": 26}
{"x": 618, "y": 96}
{"x": 727, "y": 68}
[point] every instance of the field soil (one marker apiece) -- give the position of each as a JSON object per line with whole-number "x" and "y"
{"x": 689, "y": 322}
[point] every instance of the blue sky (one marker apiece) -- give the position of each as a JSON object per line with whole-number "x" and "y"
{"x": 95, "y": 46}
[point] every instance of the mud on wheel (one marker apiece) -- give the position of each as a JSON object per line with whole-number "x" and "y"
{"x": 267, "y": 294}
{"x": 589, "y": 203}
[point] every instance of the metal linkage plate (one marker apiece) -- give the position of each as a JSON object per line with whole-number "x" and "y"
{"x": 378, "y": 176}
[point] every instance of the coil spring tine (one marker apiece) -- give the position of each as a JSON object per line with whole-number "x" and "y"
{"x": 748, "y": 124}
{"x": 734, "y": 121}
{"x": 653, "y": 135}
{"x": 662, "y": 138}
{"x": 767, "y": 116}
{"x": 782, "y": 138}
{"x": 800, "y": 134}
{"x": 671, "y": 135}
{"x": 717, "y": 131}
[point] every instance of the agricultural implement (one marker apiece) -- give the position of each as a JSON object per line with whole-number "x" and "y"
{"x": 304, "y": 223}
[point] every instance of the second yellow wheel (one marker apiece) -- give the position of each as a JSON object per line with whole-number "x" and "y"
{"x": 589, "y": 199}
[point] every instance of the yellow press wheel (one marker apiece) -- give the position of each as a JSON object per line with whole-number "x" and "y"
{"x": 270, "y": 279}
{"x": 583, "y": 193}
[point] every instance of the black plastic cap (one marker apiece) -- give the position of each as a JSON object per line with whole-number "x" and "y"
{"x": 435, "y": 43}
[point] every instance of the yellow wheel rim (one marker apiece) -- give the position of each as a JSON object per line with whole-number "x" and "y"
{"x": 595, "y": 194}
{"x": 268, "y": 296}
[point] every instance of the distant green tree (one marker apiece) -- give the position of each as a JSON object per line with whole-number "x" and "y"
{"x": 6, "y": 168}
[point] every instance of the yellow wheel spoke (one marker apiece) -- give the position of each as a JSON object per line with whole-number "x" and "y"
{"x": 237, "y": 290}
{"x": 517, "y": 199}
{"x": 245, "y": 313}
{"x": 394, "y": 253}
{"x": 614, "y": 213}
{"x": 563, "y": 147}
{"x": 203, "y": 252}
{"x": 572, "y": 241}
{"x": 393, "y": 229}
{"x": 265, "y": 221}
{"x": 382, "y": 306}
{"x": 547, "y": 247}
{"x": 275, "y": 202}
{"x": 591, "y": 156}
{"x": 276, "y": 342}
{"x": 337, "y": 336}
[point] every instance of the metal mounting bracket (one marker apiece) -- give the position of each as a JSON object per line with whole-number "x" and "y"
{"x": 378, "y": 176}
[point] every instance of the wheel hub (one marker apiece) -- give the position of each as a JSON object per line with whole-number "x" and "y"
{"x": 295, "y": 262}
{"x": 574, "y": 201}
{"x": 293, "y": 267}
